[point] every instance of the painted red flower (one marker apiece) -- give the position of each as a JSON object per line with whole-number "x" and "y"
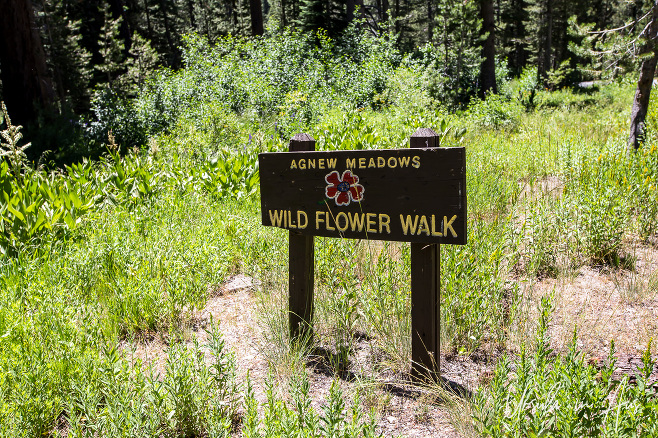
{"x": 343, "y": 188}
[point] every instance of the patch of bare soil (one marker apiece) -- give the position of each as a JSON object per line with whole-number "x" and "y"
{"x": 607, "y": 304}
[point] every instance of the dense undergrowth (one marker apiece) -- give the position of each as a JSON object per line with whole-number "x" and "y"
{"x": 113, "y": 251}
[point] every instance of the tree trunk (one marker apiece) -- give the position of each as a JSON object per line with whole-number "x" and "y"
{"x": 545, "y": 43}
{"x": 488, "y": 66}
{"x": 256, "y": 10}
{"x": 430, "y": 21}
{"x": 173, "y": 52}
{"x": 26, "y": 84}
{"x": 644, "y": 83}
{"x": 190, "y": 9}
{"x": 519, "y": 34}
{"x": 350, "y": 10}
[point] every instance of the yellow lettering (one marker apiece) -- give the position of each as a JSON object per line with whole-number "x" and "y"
{"x": 404, "y": 161}
{"x": 344, "y": 216}
{"x": 350, "y": 163}
{"x": 424, "y": 226}
{"x": 362, "y": 163}
{"x": 276, "y": 217}
{"x": 301, "y": 213}
{"x": 357, "y": 221}
{"x": 302, "y": 163}
{"x": 371, "y": 163}
{"x": 318, "y": 219}
{"x": 381, "y": 162}
{"x": 311, "y": 163}
{"x": 448, "y": 224}
{"x": 392, "y": 160}
{"x": 434, "y": 231}
{"x": 415, "y": 161}
{"x": 285, "y": 219}
{"x": 321, "y": 163}
{"x": 329, "y": 227}
{"x": 385, "y": 221}
{"x": 408, "y": 225}
{"x": 290, "y": 224}
{"x": 371, "y": 222}
{"x": 293, "y": 165}
{"x": 331, "y": 163}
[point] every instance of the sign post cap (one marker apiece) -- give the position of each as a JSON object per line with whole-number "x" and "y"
{"x": 302, "y": 137}
{"x": 424, "y": 132}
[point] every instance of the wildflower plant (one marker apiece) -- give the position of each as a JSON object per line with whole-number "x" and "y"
{"x": 10, "y": 149}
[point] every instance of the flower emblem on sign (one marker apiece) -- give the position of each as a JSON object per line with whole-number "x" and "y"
{"x": 343, "y": 189}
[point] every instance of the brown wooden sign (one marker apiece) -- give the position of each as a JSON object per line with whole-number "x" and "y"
{"x": 411, "y": 195}
{"x": 416, "y": 195}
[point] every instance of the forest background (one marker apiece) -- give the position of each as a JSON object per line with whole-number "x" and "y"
{"x": 69, "y": 62}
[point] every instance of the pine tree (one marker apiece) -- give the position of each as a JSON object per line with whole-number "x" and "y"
{"x": 488, "y": 65}
{"x": 110, "y": 47}
{"x": 142, "y": 60}
{"x": 513, "y": 36}
{"x": 68, "y": 61}
{"x": 456, "y": 41}
{"x": 27, "y": 85}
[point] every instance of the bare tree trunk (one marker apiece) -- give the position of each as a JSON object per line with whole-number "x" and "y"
{"x": 644, "y": 83}
{"x": 488, "y": 66}
{"x": 26, "y": 84}
{"x": 256, "y": 10}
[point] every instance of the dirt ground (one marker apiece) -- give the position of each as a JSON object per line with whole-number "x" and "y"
{"x": 608, "y": 304}
{"x": 603, "y": 303}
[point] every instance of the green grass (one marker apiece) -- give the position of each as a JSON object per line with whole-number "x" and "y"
{"x": 144, "y": 237}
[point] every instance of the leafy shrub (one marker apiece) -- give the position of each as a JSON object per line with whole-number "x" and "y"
{"x": 452, "y": 83}
{"x": 291, "y": 77}
{"x": 116, "y": 115}
{"x": 495, "y": 111}
{"x": 301, "y": 419}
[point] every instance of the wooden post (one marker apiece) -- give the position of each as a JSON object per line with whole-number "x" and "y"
{"x": 301, "y": 259}
{"x": 425, "y": 292}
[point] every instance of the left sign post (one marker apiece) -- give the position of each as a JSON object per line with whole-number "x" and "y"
{"x": 301, "y": 259}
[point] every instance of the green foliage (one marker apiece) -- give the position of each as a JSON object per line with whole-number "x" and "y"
{"x": 195, "y": 396}
{"x": 68, "y": 59}
{"x": 478, "y": 301}
{"x": 282, "y": 78}
{"x": 140, "y": 64}
{"x": 110, "y": 47}
{"x": 555, "y": 396}
{"x": 496, "y": 112}
{"x": 127, "y": 248}
{"x": 301, "y": 419}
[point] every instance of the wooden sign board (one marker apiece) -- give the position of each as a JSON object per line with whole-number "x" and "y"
{"x": 411, "y": 195}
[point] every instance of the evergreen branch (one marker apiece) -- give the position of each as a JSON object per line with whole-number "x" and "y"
{"x": 632, "y": 23}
